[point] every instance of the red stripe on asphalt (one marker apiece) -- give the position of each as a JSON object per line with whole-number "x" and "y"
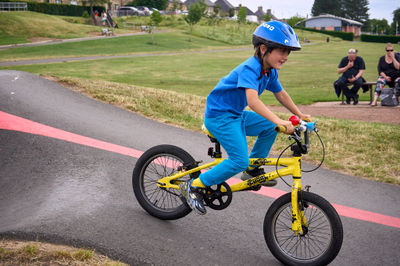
{"x": 15, "y": 123}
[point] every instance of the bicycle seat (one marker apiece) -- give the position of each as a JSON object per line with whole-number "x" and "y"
{"x": 205, "y": 130}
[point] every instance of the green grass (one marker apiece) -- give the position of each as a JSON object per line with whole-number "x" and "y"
{"x": 20, "y": 26}
{"x": 308, "y": 75}
{"x": 112, "y": 46}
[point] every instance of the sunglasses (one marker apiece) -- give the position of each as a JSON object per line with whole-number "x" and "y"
{"x": 389, "y": 50}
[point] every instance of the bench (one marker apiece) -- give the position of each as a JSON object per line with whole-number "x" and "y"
{"x": 370, "y": 88}
{"x": 144, "y": 28}
{"x": 107, "y": 32}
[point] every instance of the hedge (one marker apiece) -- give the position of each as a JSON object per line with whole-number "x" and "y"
{"x": 380, "y": 38}
{"x": 348, "y": 36}
{"x": 58, "y": 9}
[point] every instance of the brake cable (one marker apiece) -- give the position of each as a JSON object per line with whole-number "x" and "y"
{"x": 305, "y": 171}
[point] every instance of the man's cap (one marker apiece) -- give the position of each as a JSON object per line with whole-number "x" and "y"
{"x": 352, "y": 51}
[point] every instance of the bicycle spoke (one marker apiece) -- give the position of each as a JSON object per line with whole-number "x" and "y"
{"x": 159, "y": 167}
{"x": 313, "y": 243}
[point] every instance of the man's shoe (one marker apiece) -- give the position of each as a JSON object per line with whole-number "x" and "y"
{"x": 355, "y": 100}
{"x": 256, "y": 172}
{"x": 193, "y": 199}
{"x": 348, "y": 100}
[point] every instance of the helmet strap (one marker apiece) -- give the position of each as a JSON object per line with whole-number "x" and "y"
{"x": 261, "y": 59}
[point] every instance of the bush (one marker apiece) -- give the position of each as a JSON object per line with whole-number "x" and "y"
{"x": 85, "y": 14}
{"x": 58, "y": 9}
{"x": 347, "y": 36}
{"x": 380, "y": 38}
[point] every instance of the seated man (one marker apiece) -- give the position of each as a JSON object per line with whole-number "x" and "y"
{"x": 352, "y": 68}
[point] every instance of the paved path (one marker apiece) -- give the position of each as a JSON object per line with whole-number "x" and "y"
{"x": 52, "y": 41}
{"x": 65, "y": 177}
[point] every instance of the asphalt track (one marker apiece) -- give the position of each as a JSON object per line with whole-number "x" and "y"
{"x": 65, "y": 177}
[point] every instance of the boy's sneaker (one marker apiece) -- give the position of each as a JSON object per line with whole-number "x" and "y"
{"x": 193, "y": 199}
{"x": 256, "y": 172}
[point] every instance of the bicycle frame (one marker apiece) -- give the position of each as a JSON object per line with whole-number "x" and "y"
{"x": 291, "y": 166}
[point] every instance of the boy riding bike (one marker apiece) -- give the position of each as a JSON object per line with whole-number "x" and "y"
{"x": 226, "y": 119}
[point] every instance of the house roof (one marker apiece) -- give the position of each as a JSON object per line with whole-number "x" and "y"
{"x": 224, "y": 4}
{"x": 351, "y": 22}
{"x": 189, "y": 2}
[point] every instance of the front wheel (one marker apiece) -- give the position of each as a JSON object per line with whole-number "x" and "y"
{"x": 323, "y": 234}
{"x": 156, "y": 163}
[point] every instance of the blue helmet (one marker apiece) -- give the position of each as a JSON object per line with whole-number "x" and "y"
{"x": 276, "y": 34}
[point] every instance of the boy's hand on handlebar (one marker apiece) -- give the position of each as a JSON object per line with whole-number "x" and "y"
{"x": 289, "y": 127}
{"x": 306, "y": 117}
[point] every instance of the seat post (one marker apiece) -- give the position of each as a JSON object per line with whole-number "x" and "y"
{"x": 218, "y": 153}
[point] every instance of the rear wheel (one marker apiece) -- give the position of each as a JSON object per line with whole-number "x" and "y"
{"x": 158, "y": 162}
{"x": 323, "y": 235}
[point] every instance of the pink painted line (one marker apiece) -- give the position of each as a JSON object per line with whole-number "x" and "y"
{"x": 367, "y": 216}
{"x": 15, "y": 123}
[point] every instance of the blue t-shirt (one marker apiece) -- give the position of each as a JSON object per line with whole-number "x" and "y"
{"x": 230, "y": 96}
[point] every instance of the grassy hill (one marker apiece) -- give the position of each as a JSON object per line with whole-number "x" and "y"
{"x": 21, "y": 26}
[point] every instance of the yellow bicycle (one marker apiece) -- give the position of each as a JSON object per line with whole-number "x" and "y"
{"x": 300, "y": 227}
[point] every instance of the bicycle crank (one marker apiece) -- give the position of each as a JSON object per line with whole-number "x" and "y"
{"x": 218, "y": 197}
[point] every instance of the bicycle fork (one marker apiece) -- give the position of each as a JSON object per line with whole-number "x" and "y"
{"x": 299, "y": 223}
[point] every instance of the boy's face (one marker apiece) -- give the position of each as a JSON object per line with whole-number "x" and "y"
{"x": 276, "y": 58}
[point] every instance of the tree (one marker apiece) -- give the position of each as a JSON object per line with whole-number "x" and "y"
{"x": 378, "y": 26}
{"x": 395, "y": 27}
{"x": 155, "y": 20}
{"x": 332, "y": 7}
{"x": 267, "y": 17}
{"x": 294, "y": 20}
{"x": 231, "y": 12}
{"x": 196, "y": 11}
{"x": 356, "y": 10}
{"x": 213, "y": 19}
{"x": 241, "y": 16}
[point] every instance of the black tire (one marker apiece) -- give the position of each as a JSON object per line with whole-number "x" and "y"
{"x": 323, "y": 240}
{"x": 156, "y": 163}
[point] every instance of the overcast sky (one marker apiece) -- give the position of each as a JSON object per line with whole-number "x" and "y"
{"x": 378, "y": 9}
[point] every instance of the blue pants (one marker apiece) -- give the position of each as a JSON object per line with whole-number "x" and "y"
{"x": 231, "y": 131}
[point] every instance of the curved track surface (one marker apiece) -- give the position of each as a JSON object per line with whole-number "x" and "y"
{"x": 65, "y": 177}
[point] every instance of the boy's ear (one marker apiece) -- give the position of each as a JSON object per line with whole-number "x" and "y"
{"x": 263, "y": 48}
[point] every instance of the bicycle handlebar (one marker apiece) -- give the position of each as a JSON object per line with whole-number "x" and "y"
{"x": 280, "y": 128}
{"x": 302, "y": 125}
